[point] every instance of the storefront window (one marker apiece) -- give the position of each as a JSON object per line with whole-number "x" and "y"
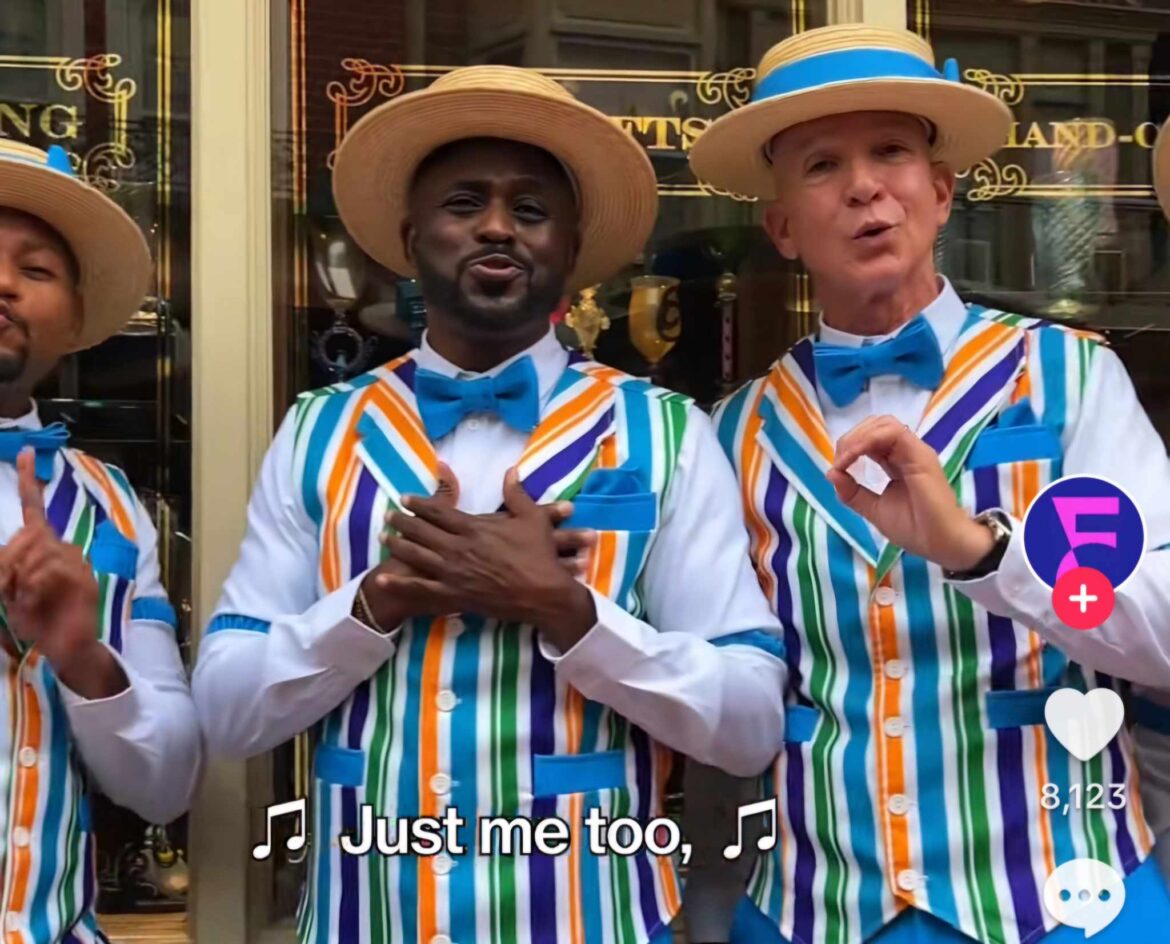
{"x": 707, "y": 304}
{"x": 108, "y": 81}
{"x": 1063, "y": 222}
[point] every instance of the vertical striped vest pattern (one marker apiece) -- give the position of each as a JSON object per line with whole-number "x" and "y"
{"x": 467, "y": 712}
{"x": 917, "y": 753}
{"x": 49, "y": 879}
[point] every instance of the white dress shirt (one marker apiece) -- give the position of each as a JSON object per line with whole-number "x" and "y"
{"x": 723, "y": 705}
{"x": 142, "y": 746}
{"x": 1113, "y": 438}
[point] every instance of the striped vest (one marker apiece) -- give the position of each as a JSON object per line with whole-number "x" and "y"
{"x": 49, "y": 880}
{"x": 917, "y": 753}
{"x": 467, "y": 712}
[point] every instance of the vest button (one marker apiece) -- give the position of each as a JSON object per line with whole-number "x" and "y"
{"x": 441, "y": 939}
{"x": 440, "y": 784}
{"x": 895, "y": 668}
{"x": 899, "y": 804}
{"x": 885, "y": 596}
{"x": 446, "y": 700}
{"x": 27, "y": 757}
{"x": 454, "y": 625}
{"x": 12, "y": 921}
{"x": 894, "y": 727}
{"x": 20, "y": 837}
{"x": 909, "y": 880}
{"x": 442, "y": 864}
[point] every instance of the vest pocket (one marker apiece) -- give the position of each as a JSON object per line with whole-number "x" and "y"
{"x": 800, "y": 723}
{"x": 343, "y": 766}
{"x": 633, "y": 511}
{"x": 1000, "y": 445}
{"x": 558, "y": 774}
{"x": 1016, "y": 709}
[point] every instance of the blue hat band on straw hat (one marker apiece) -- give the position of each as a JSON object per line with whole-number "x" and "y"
{"x": 56, "y": 158}
{"x": 849, "y": 65}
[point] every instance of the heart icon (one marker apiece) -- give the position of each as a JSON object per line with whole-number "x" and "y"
{"x": 1084, "y": 723}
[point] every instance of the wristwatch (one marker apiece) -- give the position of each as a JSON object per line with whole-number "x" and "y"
{"x": 1000, "y": 526}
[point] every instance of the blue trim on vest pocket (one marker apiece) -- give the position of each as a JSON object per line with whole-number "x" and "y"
{"x": 558, "y": 774}
{"x": 634, "y": 511}
{"x": 344, "y": 766}
{"x": 236, "y": 621}
{"x": 154, "y": 608}
{"x": 112, "y": 553}
{"x": 1149, "y": 714}
{"x": 756, "y": 638}
{"x": 800, "y": 723}
{"x": 1014, "y": 444}
{"x": 1016, "y": 709}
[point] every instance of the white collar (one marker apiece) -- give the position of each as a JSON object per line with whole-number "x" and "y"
{"x": 30, "y": 420}
{"x": 548, "y": 357}
{"x": 945, "y": 315}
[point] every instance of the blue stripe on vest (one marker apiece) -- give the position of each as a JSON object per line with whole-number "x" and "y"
{"x": 557, "y": 774}
{"x": 158, "y": 609}
{"x": 236, "y": 621}
{"x": 756, "y": 638}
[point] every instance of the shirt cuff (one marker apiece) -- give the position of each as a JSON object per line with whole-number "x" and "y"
{"x": 110, "y": 714}
{"x": 603, "y": 651}
{"x": 348, "y": 641}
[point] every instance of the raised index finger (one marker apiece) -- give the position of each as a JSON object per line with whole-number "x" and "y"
{"x": 32, "y": 502}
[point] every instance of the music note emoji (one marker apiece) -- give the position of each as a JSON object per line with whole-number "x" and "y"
{"x": 263, "y": 850}
{"x": 764, "y": 843}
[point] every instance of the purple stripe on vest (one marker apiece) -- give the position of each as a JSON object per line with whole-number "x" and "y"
{"x": 644, "y": 781}
{"x": 89, "y": 883}
{"x": 61, "y": 505}
{"x": 542, "y": 878}
{"x": 1010, "y": 748}
{"x": 360, "y": 523}
{"x": 803, "y": 355}
{"x": 1126, "y": 847}
{"x": 774, "y": 512}
{"x": 973, "y": 400}
{"x": 405, "y": 372}
{"x": 117, "y": 609}
{"x": 560, "y": 465}
{"x": 349, "y": 914}
{"x": 806, "y": 858}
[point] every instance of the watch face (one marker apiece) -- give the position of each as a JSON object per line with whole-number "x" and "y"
{"x": 1084, "y": 521}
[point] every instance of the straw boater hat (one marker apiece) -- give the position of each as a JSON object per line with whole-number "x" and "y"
{"x": 1162, "y": 168}
{"x": 112, "y": 255}
{"x": 615, "y": 183}
{"x": 839, "y": 69}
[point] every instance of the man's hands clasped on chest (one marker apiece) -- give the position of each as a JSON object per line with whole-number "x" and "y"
{"x": 512, "y": 565}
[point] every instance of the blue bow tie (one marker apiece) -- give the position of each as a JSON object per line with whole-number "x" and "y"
{"x": 513, "y": 395}
{"x": 44, "y": 442}
{"x": 912, "y": 353}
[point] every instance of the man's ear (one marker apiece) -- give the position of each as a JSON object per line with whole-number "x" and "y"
{"x": 943, "y": 181}
{"x": 408, "y": 233}
{"x": 776, "y": 225}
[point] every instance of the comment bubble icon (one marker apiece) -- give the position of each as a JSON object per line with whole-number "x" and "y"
{"x": 1086, "y": 894}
